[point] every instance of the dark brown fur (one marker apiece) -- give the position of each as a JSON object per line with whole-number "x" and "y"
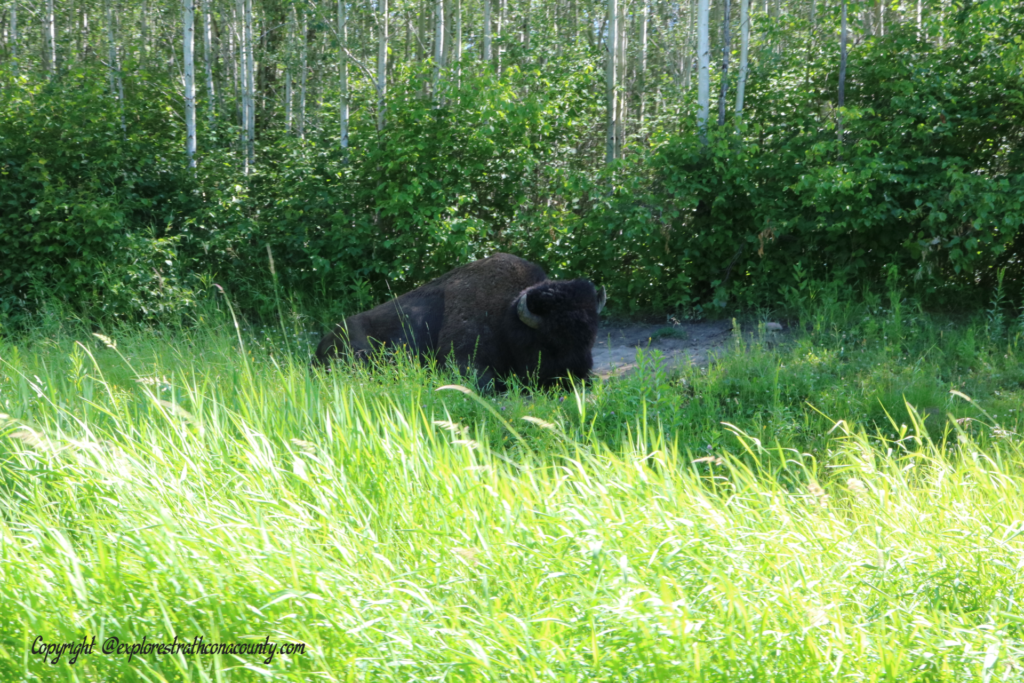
{"x": 468, "y": 318}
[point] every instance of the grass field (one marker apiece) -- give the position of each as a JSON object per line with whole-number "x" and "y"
{"x": 844, "y": 507}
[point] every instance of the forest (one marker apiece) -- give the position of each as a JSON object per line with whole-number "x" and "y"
{"x": 727, "y": 153}
{"x": 193, "y": 191}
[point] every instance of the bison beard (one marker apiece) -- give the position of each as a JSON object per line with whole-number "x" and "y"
{"x": 499, "y": 316}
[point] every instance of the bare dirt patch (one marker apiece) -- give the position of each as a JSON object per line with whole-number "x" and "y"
{"x": 615, "y": 352}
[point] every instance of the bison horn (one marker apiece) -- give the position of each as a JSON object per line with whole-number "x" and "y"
{"x": 529, "y": 318}
{"x": 602, "y": 299}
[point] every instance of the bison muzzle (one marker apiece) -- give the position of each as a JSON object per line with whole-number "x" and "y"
{"x": 500, "y": 317}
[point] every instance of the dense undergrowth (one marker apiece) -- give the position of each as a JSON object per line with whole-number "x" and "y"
{"x": 98, "y": 210}
{"x": 842, "y": 504}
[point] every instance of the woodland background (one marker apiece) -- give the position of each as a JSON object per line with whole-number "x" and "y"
{"x": 335, "y": 152}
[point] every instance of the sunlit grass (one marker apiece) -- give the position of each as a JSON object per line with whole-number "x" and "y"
{"x": 175, "y": 486}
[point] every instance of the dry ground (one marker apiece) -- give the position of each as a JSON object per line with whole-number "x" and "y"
{"x": 679, "y": 343}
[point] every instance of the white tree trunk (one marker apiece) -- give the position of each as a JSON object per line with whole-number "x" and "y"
{"x": 612, "y": 80}
{"x": 382, "y": 64}
{"x": 111, "y": 49}
{"x": 208, "y": 55}
{"x": 190, "y": 81}
{"x": 250, "y": 141}
{"x": 438, "y": 46}
{"x": 457, "y": 43}
{"x": 741, "y": 84}
{"x": 343, "y": 69}
{"x": 920, "y": 29}
{"x": 689, "y": 44}
{"x": 841, "y": 99}
{"x": 703, "y": 66}
{"x": 144, "y": 31}
{"x": 303, "y": 29}
{"x": 289, "y": 63}
{"x": 13, "y": 36}
{"x": 725, "y": 63}
{"x": 50, "y": 39}
{"x": 620, "y": 115}
{"x": 499, "y": 27}
{"x": 642, "y": 65}
{"x": 486, "y": 30}
{"x": 243, "y": 84}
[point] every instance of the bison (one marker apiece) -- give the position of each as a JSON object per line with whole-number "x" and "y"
{"x": 500, "y": 316}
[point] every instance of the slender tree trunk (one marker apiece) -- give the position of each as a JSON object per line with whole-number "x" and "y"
{"x": 49, "y": 39}
{"x": 881, "y": 18}
{"x": 233, "y": 63}
{"x": 144, "y": 34}
{"x": 289, "y": 63}
{"x": 343, "y": 72}
{"x": 642, "y": 65}
{"x": 208, "y": 59}
{"x": 486, "y": 31}
{"x": 612, "y": 80}
{"x": 190, "y": 81}
{"x": 243, "y": 84}
{"x": 725, "y": 63}
{"x": 814, "y": 21}
{"x": 920, "y": 26}
{"x": 620, "y": 115}
{"x": 689, "y": 45}
{"x": 703, "y": 67}
{"x": 841, "y": 100}
{"x": 111, "y": 49}
{"x": 439, "y": 51}
{"x": 498, "y": 32}
{"x": 250, "y": 86}
{"x": 13, "y": 36}
{"x": 382, "y": 64}
{"x": 741, "y": 84}
{"x": 302, "y": 77}
{"x": 526, "y": 24}
{"x": 457, "y": 44}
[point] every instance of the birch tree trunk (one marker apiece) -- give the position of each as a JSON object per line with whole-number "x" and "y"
{"x": 243, "y": 84}
{"x": 382, "y": 64}
{"x": 457, "y": 43}
{"x": 487, "y": 31}
{"x": 190, "y": 80}
{"x": 741, "y": 84}
{"x": 620, "y": 115}
{"x": 343, "y": 71}
{"x": 642, "y": 65}
{"x": 725, "y": 63}
{"x": 498, "y": 29}
{"x": 111, "y": 49}
{"x": 49, "y": 39}
{"x": 208, "y": 58}
{"x": 144, "y": 34}
{"x": 250, "y": 86}
{"x": 289, "y": 64}
{"x": 703, "y": 67}
{"x": 13, "y": 36}
{"x": 841, "y": 99}
{"x": 688, "y": 45}
{"x": 526, "y": 24}
{"x": 301, "y": 121}
{"x": 611, "y": 79}
{"x": 438, "y": 47}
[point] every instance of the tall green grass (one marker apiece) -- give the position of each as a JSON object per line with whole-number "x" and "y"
{"x": 758, "y": 520}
